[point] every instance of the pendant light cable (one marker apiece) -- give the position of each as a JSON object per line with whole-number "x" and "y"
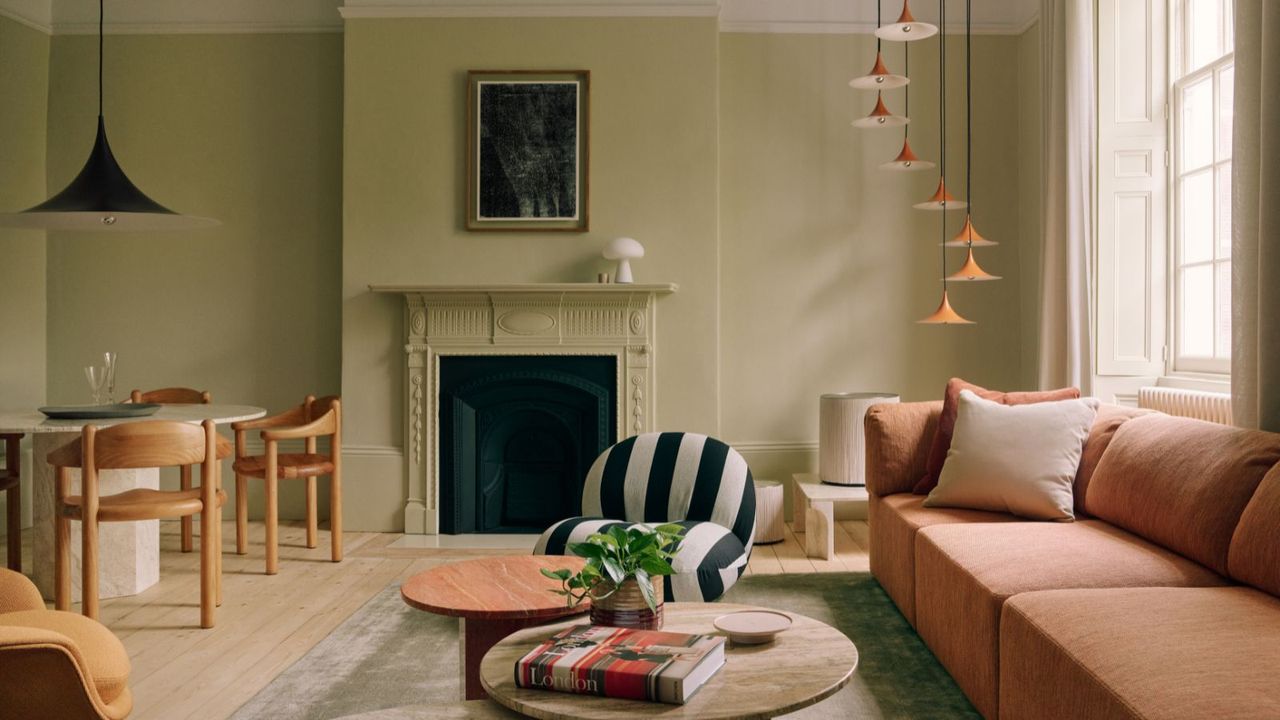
{"x": 968, "y": 107}
{"x": 906, "y": 93}
{"x": 100, "y": 28}
{"x": 942, "y": 126}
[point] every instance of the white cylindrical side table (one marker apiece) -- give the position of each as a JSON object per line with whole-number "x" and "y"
{"x": 769, "y": 523}
{"x": 841, "y": 441}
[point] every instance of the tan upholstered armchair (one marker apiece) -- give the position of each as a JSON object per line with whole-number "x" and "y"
{"x": 57, "y": 665}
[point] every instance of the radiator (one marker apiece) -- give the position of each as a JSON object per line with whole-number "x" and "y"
{"x": 1211, "y": 406}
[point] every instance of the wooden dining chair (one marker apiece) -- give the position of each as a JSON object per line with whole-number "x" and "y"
{"x": 11, "y": 484}
{"x": 312, "y": 419}
{"x": 183, "y": 396}
{"x": 153, "y": 443}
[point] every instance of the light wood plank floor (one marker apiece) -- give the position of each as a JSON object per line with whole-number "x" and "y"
{"x": 268, "y": 622}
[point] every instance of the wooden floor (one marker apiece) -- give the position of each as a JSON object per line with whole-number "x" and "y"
{"x": 268, "y": 622}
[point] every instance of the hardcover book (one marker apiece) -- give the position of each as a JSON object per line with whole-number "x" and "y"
{"x": 622, "y": 663}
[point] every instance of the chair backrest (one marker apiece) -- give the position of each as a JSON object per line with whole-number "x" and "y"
{"x": 316, "y": 408}
{"x": 172, "y": 396}
{"x": 151, "y": 443}
{"x": 673, "y": 476}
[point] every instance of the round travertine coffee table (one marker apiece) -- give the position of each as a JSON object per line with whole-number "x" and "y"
{"x": 491, "y": 597}
{"x": 806, "y": 664}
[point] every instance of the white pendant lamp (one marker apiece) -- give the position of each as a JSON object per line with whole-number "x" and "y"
{"x": 102, "y": 197}
{"x": 907, "y": 28}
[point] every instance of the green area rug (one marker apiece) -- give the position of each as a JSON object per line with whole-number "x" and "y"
{"x": 388, "y": 655}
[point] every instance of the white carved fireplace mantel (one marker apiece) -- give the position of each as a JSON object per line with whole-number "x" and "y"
{"x": 525, "y": 319}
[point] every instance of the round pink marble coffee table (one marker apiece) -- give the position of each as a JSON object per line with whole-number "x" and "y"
{"x": 491, "y": 597}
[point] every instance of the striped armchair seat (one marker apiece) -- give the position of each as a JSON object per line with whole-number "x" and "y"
{"x": 685, "y": 478}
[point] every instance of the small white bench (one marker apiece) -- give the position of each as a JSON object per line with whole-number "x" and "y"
{"x": 813, "y": 511}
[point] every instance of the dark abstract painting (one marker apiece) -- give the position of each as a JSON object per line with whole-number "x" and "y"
{"x": 527, "y": 164}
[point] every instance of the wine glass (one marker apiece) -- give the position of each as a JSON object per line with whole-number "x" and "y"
{"x": 97, "y": 376}
{"x": 109, "y": 363}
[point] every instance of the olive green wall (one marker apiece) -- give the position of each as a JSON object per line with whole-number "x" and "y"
{"x": 653, "y": 177}
{"x": 826, "y": 266}
{"x": 24, "y": 83}
{"x": 1030, "y": 157}
{"x": 244, "y": 128}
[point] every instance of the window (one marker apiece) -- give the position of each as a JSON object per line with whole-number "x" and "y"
{"x": 1202, "y": 70}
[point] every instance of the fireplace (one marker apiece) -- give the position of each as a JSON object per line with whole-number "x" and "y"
{"x": 517, "y": 436}
{"x": 558, "y": 323}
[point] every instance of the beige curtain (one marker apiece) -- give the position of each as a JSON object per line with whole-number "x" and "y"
{"x": 1067, "y": 64}
{"x": 1255, "y": 247}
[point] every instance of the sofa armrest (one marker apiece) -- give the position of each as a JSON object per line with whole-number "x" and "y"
{"x": 898, "y": 437}
{"x": 17, "y": 593}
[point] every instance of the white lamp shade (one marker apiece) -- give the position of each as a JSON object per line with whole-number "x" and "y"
{"x": 842, "y": 443}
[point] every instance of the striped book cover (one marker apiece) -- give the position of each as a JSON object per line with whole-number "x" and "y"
{"x": 622, "y": 663}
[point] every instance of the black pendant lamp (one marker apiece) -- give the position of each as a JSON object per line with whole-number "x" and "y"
{"x": 102, "y": 197}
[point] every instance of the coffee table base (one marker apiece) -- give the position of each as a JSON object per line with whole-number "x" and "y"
{"x": 475, "y": 638}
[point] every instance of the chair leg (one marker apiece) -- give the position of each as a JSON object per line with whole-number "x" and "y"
{"x": 62, "y": 562}
{"x": 335, "y": 513}
{"x": 14, "y": 525}
{"x": 208, "y": 565}
{"x": 242, "y": 514}
{"x": 89, "y": 565}
{"x": 185, "y": 479}
{"x": 272, "y": 518}
{"x": 217, "y": 528}
{"x": 312, "y": 520}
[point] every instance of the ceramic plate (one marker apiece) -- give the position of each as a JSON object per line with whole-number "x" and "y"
{"x": 752, "y": 627}
{"x": 93, "y": 412}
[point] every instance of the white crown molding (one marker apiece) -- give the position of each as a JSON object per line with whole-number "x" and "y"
{"x": 169, "y": 17}
{"x": 359, "y": 9}
{"x": 825, "y": 17}
{"x": 35, "y": 14}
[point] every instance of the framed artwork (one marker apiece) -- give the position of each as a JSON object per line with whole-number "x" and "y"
{"x": 527, "y": 150}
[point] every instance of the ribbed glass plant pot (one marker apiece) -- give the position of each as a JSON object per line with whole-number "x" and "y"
{"x": 627, "y": 608}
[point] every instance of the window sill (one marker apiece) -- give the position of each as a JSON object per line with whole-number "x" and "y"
{"x": 1205, "y": 382}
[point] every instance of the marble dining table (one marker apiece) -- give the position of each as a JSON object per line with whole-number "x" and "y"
{"x": 129, "y": 553}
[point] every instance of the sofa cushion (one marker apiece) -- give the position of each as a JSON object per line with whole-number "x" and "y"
{"x": 964, "y": 573}
{"x": 1169, "y": 653}
{"x": 894, "y": 521}
{"x": 1255, "y": 548}
{"x": 106, "y": 661}
{"x": 1181, "y": 483}
{"x": 1109, "y": 419}
{"x": 1018, "y": 459}
{"x": 947, "y": 421}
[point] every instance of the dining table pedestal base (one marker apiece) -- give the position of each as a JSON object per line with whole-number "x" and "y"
{"x": 128, "y": 552}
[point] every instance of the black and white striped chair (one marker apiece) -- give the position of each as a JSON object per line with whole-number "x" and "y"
{"x": 696, "y": 481}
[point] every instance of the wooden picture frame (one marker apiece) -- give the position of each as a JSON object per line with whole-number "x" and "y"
{"x": 528, "y": 150}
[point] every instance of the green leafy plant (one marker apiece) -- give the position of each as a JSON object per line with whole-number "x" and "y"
{"x": 615, "y": 556}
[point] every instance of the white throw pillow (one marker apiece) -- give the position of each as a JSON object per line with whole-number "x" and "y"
{"x": 1020, "y": 459}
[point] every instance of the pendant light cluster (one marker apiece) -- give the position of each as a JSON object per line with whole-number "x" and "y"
{"x": 906, "y": 30}
{"x": 102, "y": 197}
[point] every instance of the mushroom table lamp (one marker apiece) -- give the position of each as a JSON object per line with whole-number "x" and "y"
{"x": 623, "y": 249}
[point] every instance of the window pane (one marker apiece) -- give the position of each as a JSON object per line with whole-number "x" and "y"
{"x": 1229, "y": 25}
{"x": 1197, "y": 217}
{"x": 1222, "y": 299}
{"x": 1204, "y": 34}
{"x": 1226, "y": 110}
{"x": 1197, "y": 311}
{"x": 1197, "y": 125}
{"x": 1223, "y": 203}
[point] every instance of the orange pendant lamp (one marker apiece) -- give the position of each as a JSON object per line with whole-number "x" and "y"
{"x": 969, "y": 237}
{"x": 907, "y": 28}
{"x": 970, "y": 271}
{"x": 880, "y": 117}
{"x": 945, "y": 314}
{"x": 907, "y": 160}
{"x": 879, "y": 78}
{"x": 942, "y": 199}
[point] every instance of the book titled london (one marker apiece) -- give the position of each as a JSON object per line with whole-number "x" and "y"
{"x": 622, "y": 663}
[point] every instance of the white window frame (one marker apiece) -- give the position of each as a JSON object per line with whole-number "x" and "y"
{"x": 1177, "y": 364}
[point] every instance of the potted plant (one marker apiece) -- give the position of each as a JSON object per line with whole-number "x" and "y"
{"x": 623, "y": 574}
